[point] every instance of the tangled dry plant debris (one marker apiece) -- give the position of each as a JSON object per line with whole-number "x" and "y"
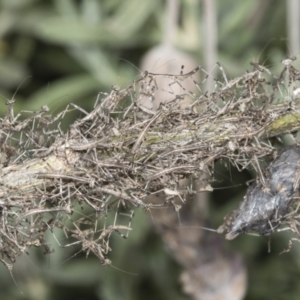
{"x": 120, "y": 152}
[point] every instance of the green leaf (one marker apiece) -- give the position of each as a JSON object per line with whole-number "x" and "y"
{"x": 62, "y": 92}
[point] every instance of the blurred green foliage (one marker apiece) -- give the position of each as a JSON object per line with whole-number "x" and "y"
{"x": 53, "y": 52}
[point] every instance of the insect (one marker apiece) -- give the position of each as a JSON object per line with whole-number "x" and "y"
{"x": 269, "y": 202}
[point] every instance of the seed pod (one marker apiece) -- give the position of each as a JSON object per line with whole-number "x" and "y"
{"x": 268, "y": 202}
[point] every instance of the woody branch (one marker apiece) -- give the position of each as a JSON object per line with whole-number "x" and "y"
{"x": 128, "y": 151}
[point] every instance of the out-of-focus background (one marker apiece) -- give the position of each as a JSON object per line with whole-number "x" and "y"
{"x": 53, "y": 52}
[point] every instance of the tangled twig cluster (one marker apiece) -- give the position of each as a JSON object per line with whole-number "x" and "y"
{"x": 120, "y": 152}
